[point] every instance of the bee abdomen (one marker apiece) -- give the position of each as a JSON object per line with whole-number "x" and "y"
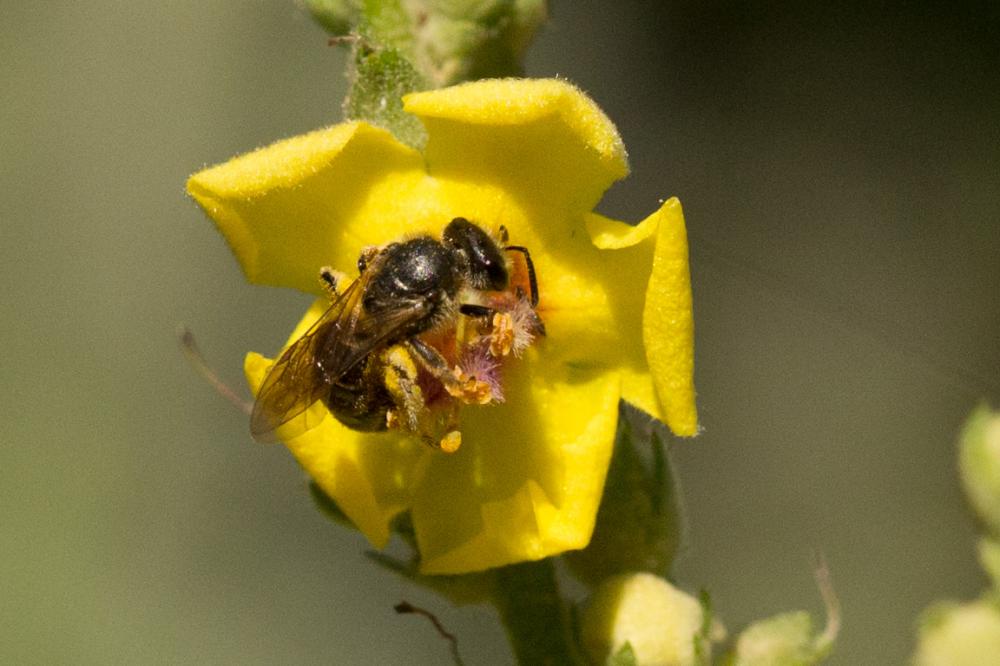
{"x": 359, "y": 399}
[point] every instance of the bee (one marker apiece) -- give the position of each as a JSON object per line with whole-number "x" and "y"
{"x": 347, "y": 358}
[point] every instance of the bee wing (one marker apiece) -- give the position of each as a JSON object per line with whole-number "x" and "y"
{"x": 341, "y": 338}
{"x": 371, "y": 331}
{"x": 302, "y": 375}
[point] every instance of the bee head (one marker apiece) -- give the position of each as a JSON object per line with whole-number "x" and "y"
{"x": 482, "y": 258}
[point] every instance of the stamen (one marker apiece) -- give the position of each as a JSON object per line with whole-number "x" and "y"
{"x": 525, "y": 325}
{"x": 469, "y": 388}
{"x": 502, "y": 334}
{"x": 477, "y": 361}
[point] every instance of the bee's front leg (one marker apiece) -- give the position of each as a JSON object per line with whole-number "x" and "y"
{"x": 331, "y": 280}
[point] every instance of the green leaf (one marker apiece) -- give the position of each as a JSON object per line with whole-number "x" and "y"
{"x": 639, "y": 523}
{"x": 381, "y": 76}
{"x": 389, "y": 22}
{"x": 536, "y": 617}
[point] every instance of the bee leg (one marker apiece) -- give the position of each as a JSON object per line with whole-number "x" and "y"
{"x": 474, "y": 310}
{"x": 331, "y": 280}
{"x": 434, "y": 363}
{"x": 401, "y": 382}
{"x": 465, "y": 388}
{"x": 481, "y": 313}
{"x": 368, "y": 253}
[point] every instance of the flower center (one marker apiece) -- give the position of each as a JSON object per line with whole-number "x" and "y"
{"x": 473, "y": 348}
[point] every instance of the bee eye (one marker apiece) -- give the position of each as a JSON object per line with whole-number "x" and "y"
{"x": 496, "y": 273}
{"x": 487, "y": 267}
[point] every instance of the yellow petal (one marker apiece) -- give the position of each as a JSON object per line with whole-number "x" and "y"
{"x": 541, "y": 139}
{"x": 369, "y": 475}
{"x": 654, "y": 252}
{"x": 290, "y": 208}
{"x": 529, "y": 476}
{"x": 625, "y": 271}
{"x": 668, "y": 322}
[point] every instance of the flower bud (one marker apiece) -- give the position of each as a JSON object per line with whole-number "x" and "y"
{"x": 661, "y": 623}
{"x": 979, "y": 465}
{"x": 959, "y": 635}
{"x": 788, "y": 638}
{"x": 989, "y": 558}
{"x": 337, "y": 16}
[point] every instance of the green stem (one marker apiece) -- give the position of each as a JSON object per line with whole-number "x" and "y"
{"x": 535, "y": 616}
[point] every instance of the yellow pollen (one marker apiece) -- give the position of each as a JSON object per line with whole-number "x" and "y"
{"x": 468, "y": 389}
{"x": 450, "y": 442}
{"x": 502, "y": 334}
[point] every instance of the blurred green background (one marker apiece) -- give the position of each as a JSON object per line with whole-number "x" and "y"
{"x": 840, "y": 171}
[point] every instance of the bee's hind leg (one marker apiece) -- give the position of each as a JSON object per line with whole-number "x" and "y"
{"x": 413, "y": 414}
{"x": 401, "y": 382}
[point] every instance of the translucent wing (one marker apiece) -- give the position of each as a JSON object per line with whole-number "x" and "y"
{"x": 340, "y": 339}
{"x": 297, "y": 380}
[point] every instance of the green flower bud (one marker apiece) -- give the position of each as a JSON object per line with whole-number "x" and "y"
{"x": 661, "y": 623}
{"x": 959, "y": 635}
{"x": 445, "y": 41}
{"x": 979, "y": 465}
{"x": 788, "y": 639}
{"x": 337, "y": 16}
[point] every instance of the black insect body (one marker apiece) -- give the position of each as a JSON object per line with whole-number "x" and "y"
{"x": 404, "y": 289}
{"x": 359, "y": 398}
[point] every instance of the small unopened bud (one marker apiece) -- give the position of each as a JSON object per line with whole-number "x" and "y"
{"x": 959, "y": 635}
{"x": 989, "y": 558}
{"x": 788, "y": 638}
{"x": 979, "y": 465}
{"x": 661, "y": 623}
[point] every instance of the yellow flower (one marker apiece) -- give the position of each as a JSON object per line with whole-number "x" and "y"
{"x": 534, "y": 156}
